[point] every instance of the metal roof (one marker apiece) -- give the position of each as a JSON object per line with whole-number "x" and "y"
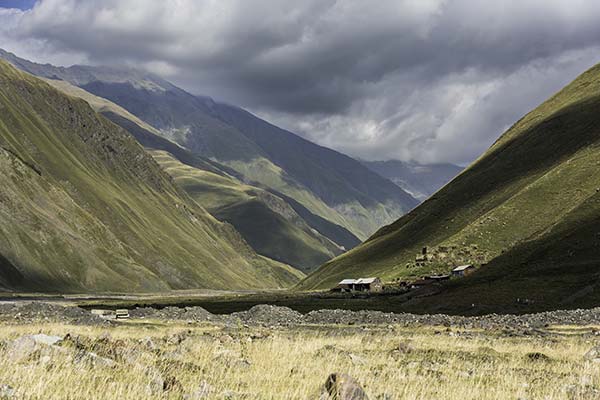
{"x": 357, "y": 281}
{"x": 462, "y": 267}
{"x": 366, "y": 280}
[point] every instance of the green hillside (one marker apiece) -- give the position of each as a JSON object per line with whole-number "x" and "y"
{"x": 269, "y": 225}
{"x": 330, "y": 185}
{"x": 529, "y": 206}
{"x": 84, "y": 208}
{"x": 327, "y": 183}
{"x": 266, "y": 222}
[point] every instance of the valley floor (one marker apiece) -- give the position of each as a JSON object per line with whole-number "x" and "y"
{"x": 48, "y": 351}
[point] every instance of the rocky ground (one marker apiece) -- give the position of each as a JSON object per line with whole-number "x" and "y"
{"x": 267, "y": 315}
{"x": 29, "y": 311}
{"x": 54, "y": 351}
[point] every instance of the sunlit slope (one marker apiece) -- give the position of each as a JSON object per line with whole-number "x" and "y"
{"x": 267, "y": 223}
{"x": 84, "y": 208}
{"x": 328, "y": 184}
{"x": 345, "y": 200}
{"x": 527, "y": 205}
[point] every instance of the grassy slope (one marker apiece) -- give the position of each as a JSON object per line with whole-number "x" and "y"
{"x": 187, "y": 120}
{"x": 273, "y": 161}
{"x": 84, "y": 208}
{"x": 328, "y": 184}
{"x": 266, "y": 222}
{"x": 529, "y": 204}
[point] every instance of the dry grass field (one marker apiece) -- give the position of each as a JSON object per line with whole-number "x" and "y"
{"x": 159, "y": 360}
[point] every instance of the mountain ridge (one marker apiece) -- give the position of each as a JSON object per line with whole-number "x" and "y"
{"x": 85, "y": 208}
{"x": 525, "y": 209}
{"x": 329, "y": 184}
{"x": 286, "y": 237}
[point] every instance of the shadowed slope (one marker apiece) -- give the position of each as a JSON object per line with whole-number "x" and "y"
{"x": 511, "y": 200}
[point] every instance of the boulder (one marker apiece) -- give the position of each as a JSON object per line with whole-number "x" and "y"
{"x": 593, "y": 354}
{"x": 203, "y": 391}
{"x": 342, "y": 387}
{"x": 21, "y": 348}
{"x": 92, "y": 359}
{"x": 47, "y": 340}
{"x": 6, "y": 392}
{"x": 25, "y": 346}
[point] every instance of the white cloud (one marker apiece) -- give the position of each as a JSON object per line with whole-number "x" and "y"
{"x": 426, "y": 80}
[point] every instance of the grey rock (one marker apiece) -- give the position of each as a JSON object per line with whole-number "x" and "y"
{"x": 156, "y": 385}
{"x": 6, "y": 392}
{"x": 357, "y": 360}
{"x": 47, "y": 340}
{"x": 93, "y": 359}
{"x": 225, "y": 339}
{"x": 401, "y": 350}
{"x": 342, "y": 387}
{"x": 267, "y": 315}
{"x": 593, "y": 354}
{"x": 21, "y": 348}
{"x": 204, "y": 391}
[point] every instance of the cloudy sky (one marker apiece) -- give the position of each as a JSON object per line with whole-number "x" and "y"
{"x": 422, "y": 80}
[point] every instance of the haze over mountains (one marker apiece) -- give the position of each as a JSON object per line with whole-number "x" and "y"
{"x": 420, "y": 180}
{"x": 529, "y": 208}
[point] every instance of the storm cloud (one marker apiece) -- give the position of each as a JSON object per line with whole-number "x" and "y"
{"x": 423, "y": 80}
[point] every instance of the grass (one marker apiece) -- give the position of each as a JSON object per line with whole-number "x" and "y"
{"x": 529, "y": 205}
{"x": 265, "y": 221}
{"x": 293, "y": 363}
{"x": 85, "y": 208}
{"x": 329, "y": 184}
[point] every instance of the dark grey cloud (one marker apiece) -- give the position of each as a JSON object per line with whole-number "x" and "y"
{"x": 427, "y": 80}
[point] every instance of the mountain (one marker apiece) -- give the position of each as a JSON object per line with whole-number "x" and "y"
{"x": 85, "y": 208}
{"x": 420, "y": 180}
{"x": 529, "y": 207}
{"x": 329, "y": 185}
{"x": 266, "y": 221}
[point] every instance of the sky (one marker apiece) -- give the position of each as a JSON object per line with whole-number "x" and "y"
{"x": 423, "y": 80}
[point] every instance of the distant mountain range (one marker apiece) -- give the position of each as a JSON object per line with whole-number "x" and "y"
{"x": 85, "y": 209}
{"x": 527, "y": 213}
{"x": 311, "y": 203}
{"x": 419, "y": 180}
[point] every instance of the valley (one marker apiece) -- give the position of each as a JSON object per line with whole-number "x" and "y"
{"x": 524, "y": 212}
{"x": 319, "y": 200}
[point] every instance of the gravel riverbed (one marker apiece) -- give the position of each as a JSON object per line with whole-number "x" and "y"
{"x": 268, "y": 315}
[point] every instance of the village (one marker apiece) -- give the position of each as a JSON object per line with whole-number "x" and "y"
{"x": 445, "y": 255}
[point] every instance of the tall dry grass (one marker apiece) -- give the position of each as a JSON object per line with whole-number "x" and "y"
{"x": 136, "y": 361}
